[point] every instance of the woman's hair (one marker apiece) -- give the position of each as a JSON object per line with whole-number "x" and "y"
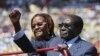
{"x": 48, "y": 20}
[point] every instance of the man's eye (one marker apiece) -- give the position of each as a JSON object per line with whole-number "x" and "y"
{"x": 63, "y": 24}
{"x": 60, "y": 25}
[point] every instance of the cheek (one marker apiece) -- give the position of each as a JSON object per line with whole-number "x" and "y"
{"x": 45, "y": 31}
{"x": 72, "y": 32}
{"x": 45, "y": 28}
{"x": 32, "y": 30}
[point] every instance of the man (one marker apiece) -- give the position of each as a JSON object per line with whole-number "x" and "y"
{"x": 70, "y": 28}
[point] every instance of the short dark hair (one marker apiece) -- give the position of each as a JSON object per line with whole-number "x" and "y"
{"x": 48, "y": 20}
{"x": 78, "y": 22}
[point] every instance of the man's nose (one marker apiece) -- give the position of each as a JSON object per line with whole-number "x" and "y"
{"x": 63, "y": 27}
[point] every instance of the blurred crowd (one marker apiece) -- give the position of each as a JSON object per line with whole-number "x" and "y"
{"x": 87, "y": 9}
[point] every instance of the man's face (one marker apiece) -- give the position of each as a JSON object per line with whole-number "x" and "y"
{"x": 67, "y": 29}
{"x": 39, "y": 27}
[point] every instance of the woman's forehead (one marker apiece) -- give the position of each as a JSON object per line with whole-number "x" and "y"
{"x": 38, "y": 18}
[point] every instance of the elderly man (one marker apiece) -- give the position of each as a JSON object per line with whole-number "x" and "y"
{"x": 70, "y": 28}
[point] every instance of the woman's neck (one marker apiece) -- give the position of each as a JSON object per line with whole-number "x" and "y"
{"x": 46, "y": 38}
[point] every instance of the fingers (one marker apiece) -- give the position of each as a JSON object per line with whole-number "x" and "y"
{"x": 62, "y": 46}
{"x": 55, "y": 49}
{"x": 14, "y": 14}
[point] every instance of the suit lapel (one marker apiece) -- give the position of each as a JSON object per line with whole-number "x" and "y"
{"x": 75, "y": 47}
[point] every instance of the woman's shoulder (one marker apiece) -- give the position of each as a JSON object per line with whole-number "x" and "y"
{"x": 56, "y": 39}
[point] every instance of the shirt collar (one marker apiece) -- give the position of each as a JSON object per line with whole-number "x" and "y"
{"x": 71, "y": 42}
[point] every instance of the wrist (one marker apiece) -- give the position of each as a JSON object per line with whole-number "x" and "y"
{"x": 17, "y": 27}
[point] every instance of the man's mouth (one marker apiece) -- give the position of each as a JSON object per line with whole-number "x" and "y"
{"x": 64, "y": 32}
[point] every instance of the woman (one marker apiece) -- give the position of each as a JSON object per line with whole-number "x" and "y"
{"x": 43, "y": 28}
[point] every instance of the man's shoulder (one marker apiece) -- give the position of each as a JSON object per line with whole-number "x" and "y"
{"x": 83, "y": 42}
{"x": 87, "y": 44}
{"x": 83, "y": 48}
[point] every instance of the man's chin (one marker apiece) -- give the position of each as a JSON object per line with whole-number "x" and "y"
{"x": 67, "y": 38}
{"x": 64, "y": 35}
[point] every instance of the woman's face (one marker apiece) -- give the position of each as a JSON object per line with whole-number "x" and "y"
{"x": 39, "y": 27}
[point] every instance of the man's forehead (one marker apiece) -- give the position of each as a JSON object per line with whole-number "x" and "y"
{"x": 65, "y": 20}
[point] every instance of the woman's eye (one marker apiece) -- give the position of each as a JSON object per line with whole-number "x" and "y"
{"x": 39, "y": 24}
{"x": 33, "y": 26}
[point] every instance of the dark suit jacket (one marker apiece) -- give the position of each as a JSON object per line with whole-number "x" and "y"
{"x": 31, "y": 46}
{"x": 79, "y": 48}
